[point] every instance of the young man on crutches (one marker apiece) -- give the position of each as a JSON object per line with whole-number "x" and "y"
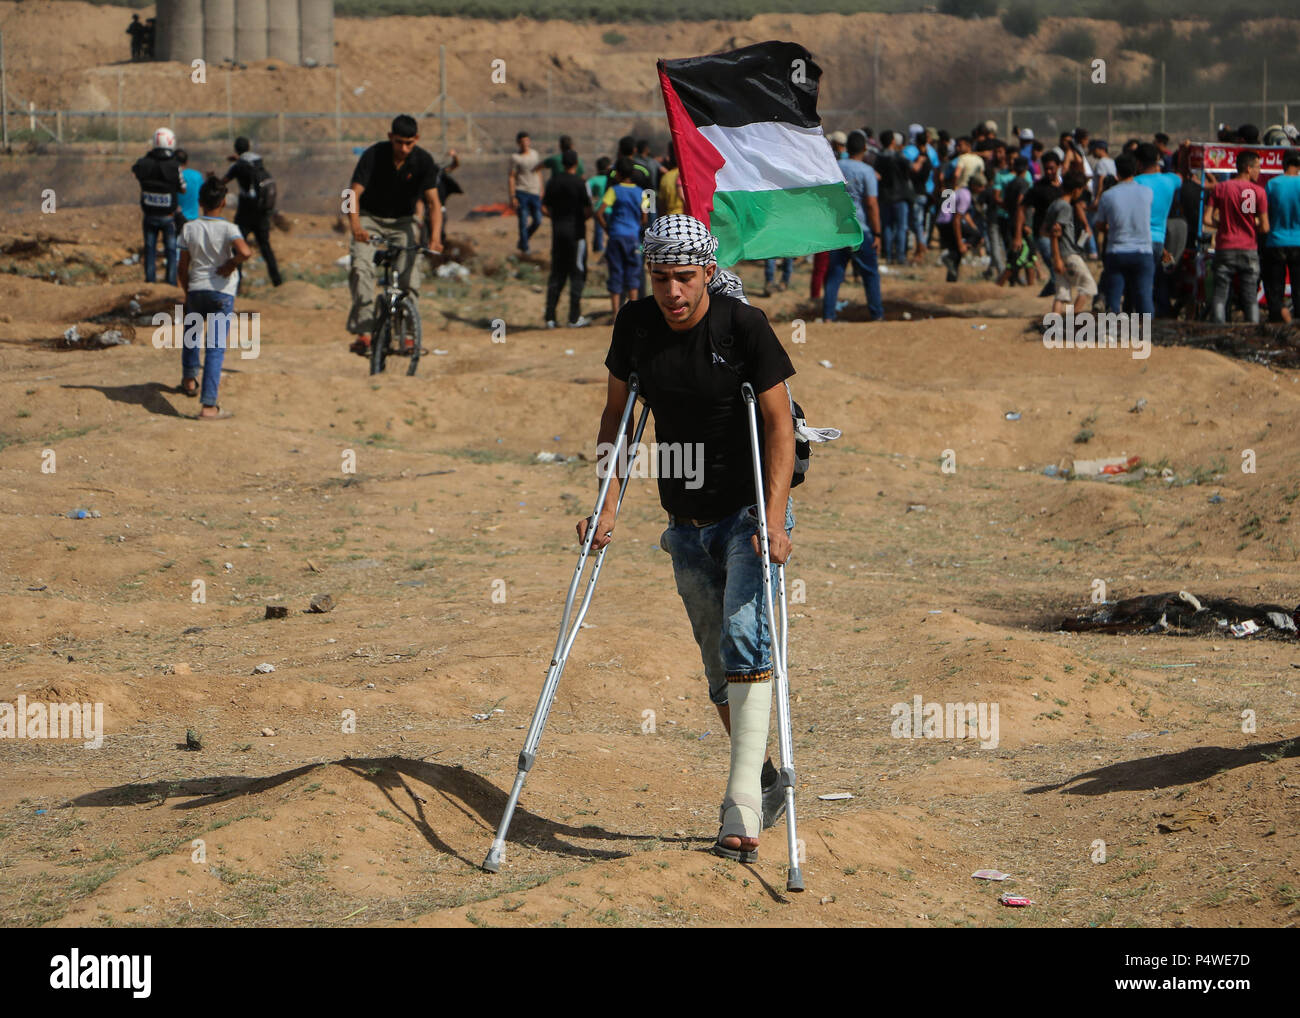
{"x": 692, "y": 351}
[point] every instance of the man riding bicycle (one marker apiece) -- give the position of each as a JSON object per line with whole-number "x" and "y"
{"x": 390, "y": 178}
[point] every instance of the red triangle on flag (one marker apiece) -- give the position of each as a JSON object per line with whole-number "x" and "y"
{"x": 697, "y": 160}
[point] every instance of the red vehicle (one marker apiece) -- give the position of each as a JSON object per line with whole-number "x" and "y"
{"x": 1208, "y": 162}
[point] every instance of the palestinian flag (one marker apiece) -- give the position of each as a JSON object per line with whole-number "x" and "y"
{"x": 755, "y": 166}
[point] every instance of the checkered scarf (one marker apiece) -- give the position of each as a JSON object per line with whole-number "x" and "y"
{"x": 679, "y": 240}
{"x": 727, "y": 284}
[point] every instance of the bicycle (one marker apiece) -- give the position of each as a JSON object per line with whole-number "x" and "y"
{"x": 397, "y": 316}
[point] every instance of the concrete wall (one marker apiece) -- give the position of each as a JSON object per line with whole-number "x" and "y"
{"x": 218, "y": 30}
{"x": 185, "y": 34}
{"x": 317, "y": 20}
{"x": 282, "y": 35}
{"x": 291, "y": 31}
{"x": 164, "y": 16}
{"x": 250, "y": 30}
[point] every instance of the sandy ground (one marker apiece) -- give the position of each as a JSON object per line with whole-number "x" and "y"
{"x": 915, "y": 582}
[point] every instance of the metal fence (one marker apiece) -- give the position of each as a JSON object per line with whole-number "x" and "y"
{"x": 493, "y": 131}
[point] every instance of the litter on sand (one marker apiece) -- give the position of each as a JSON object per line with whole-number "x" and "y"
{"x": 1014, "y": 900}
{"x": 989, "y": 875}
{"x": 1183, "y": 613}
{"x": 835, "y": 796}
{"x": 1110, "y": 466}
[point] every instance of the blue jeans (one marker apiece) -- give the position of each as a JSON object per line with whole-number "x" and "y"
{"x": 720, "y": 580}
{"x": 865, "y": 259}
{"x": 1045, "y": 252}
{"x": 769, "y": 271}
{"x": 214, "y": 306}
{"x": 917, "y": 222}
{"x": 153, "y": 226}
{"x": 598, "y": 237}
{"x": 530, "y": 209}
{"x": 893, "y": 215}
{"x": 1128, "y": 272}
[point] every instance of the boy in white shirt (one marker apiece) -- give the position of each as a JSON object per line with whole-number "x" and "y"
{"x": 212, "y": 248}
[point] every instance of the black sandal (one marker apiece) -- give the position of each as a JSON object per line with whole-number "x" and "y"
{"x": 738, "y": 854}
{"x": 190, "y": 386}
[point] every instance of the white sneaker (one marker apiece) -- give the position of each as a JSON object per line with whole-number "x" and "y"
{"x": 552, "y": 325}
{"x": 582, "y": 321}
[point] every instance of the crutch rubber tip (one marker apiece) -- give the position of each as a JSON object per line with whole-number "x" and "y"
{"x": 794, "y": 882}
{"x": 493, "y": 861}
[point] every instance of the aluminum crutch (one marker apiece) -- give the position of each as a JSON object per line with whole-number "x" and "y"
{"x": 784, "y": 733}
{"x": 564, "y": 642}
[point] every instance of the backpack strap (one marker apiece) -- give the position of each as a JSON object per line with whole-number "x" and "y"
{"x": 722, "y": 327}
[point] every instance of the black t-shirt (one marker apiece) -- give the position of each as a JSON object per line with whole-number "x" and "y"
{"x": 894, "y": 183}
{"x": 391, "y": 193}
{"x": 245, "y": 173}
{"x": 1012, "y": 192}
{"x": 1190, "y": 197}
{"x": 692, "y": 385}
{"x": 1038, "y": 197}
{"x": 567, "y": 199}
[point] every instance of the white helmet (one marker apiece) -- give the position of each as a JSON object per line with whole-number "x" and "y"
{"x": 164, "y": 137}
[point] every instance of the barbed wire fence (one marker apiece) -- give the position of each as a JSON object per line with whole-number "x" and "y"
{"x": 492, "y": 132}
{"x": 448, "y": 124}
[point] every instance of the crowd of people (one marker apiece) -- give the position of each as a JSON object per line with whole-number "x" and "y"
{"x": 1043, "y": 213}
{"x": 1095, "y": 230}
{"x": 1038, "y": 214}
{"x": 624, "y": 196}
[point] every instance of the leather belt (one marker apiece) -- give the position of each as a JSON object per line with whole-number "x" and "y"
{"x": 678, "y": 521}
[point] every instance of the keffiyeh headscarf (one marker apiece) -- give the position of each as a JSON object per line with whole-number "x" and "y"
{"x": 684, "y": 240}
{"x": 727, "y": 284}
{"x": 679, "y": 240}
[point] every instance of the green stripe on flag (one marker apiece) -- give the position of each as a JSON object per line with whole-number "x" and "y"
{"x": 780, "y": 224}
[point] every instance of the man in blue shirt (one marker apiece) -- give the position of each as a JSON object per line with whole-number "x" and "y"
{"x": 860, "y": 180}
{"x": 1164, "y": 189}
{"x": 192, "y": 180}
{"x": 922, "y": 159}
{"x": 1124, "y": 218}
{"x": 1282, "y": 243}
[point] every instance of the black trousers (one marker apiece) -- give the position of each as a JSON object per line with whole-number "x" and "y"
{"x": 948, "y": 241}
{"x": 568, "y": 264}
{"x": 1276, "y": 261}
{"x": 255, "y": 224}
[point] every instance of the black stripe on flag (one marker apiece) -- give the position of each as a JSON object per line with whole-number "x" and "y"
{"x": 769, "y": 81}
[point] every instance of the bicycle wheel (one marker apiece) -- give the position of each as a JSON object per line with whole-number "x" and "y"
{"x": 379, "y": 342}
{"x": 411, "y": 329}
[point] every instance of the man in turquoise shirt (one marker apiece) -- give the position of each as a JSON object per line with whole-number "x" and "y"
{"x": 1282, "y": 243}
{"x": 187, "y": 208}
{"x": 1164, "y": 188}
